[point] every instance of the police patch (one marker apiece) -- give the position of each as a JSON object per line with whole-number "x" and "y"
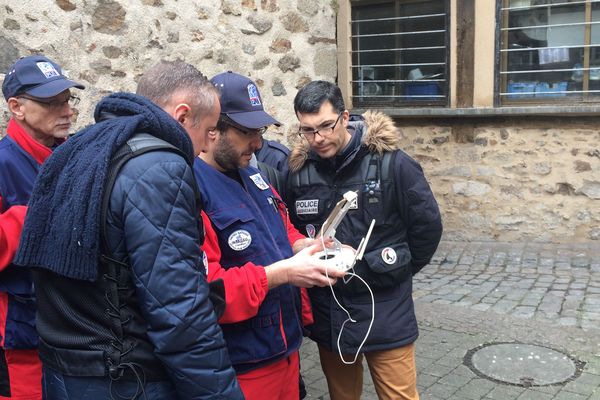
{"x": 259, "y": 181}
{"x": 304, "y": 207}
{"x": 47, "y": 69}
{"x": 389, "y": 255}
{"x": 239, "y": 240}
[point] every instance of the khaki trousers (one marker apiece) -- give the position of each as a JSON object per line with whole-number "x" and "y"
{"x": 393, "y": 371}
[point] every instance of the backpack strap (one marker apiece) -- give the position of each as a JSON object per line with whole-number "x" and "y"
{"x": 117, "y": 273}
{"x": 273, "y": 177}
{"x": 139, "y": 144}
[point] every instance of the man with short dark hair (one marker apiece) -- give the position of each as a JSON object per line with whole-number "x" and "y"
{"x": 253, "y": 247}
{"x": 123, "y": 303}
{"x": 342, "y": 152}
{"x": 39, "y": 99}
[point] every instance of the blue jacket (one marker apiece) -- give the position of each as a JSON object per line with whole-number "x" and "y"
{"x": 150, "y": 227}
{"x": 18, "y": 170}
{"x": 249, "y": 228}
{"x": 274, "y": 154}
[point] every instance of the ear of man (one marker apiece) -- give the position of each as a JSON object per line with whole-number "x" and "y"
{"x": 182, "y": 113}
{"x": 15, "y": 107}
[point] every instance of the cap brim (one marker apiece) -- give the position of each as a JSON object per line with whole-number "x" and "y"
{"x": 253, "y": 119}
{"x": 53, "y": 88}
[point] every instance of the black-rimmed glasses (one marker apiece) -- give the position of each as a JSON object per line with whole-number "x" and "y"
{"x": 52, "y": 102}
{"x": 309, "y": 133}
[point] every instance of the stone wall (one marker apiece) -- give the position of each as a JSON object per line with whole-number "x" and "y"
{"x": 517, "y": 180}
{"x": 107, "y": 44}
{"x": 512, "y": 180}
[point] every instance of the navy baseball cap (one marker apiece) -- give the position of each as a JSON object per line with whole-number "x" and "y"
{"x": 241, "y": 101}
{"x": 37, "y": 76}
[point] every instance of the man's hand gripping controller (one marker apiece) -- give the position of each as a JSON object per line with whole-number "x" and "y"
{"x": 340, "y": 256}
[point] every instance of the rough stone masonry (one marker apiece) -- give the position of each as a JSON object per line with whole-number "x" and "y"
{"x": 506, "y": 179}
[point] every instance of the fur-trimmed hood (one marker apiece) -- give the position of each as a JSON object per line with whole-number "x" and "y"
{"x": 381, "y": 136}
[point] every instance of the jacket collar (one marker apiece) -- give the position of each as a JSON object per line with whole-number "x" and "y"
{"x": 38, "y": 151}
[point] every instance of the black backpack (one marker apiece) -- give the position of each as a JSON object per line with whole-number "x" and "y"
{"x": 139, "y": 144}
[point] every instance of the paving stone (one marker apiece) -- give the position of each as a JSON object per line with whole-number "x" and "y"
{"x": 438, "y": 370}
{"x": 533, "y": 395}
{"x": 425, "y": 380}
{"x": 455, "y": 380}
{"x": 581, "y": 388}
{"x": 441, "y": 390}
{"x": 566, "y": 395}
{"x": 503, "y": 392}
{"x": 524, "y": 312}
{"x": 548, "y": 389}
{"x": 567, "y": 321}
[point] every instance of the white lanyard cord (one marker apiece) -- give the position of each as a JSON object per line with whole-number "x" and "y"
{"x": 352, "y": 274}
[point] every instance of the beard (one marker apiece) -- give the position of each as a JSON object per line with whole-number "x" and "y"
{"x": 226, "y": 156}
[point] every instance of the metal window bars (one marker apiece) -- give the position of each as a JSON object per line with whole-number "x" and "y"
{"x": 393, "y": 64}
{"x": 564, "y": 69}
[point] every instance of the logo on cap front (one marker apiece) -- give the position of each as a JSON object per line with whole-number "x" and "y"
{"x": 47, "y": 69}
{"x": 253, "y": 95}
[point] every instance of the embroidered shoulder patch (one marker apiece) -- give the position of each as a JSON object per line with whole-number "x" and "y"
{"x": 239, "y": 240}
{"x": 259, "y": 181}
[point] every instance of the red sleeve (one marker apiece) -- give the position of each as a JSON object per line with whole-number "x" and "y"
{"x": 246, "y": 286}
{"x": 307, "y": 314}
{"x": 11, "y": 224}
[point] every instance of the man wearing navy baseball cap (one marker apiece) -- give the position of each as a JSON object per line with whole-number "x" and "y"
{"x": 251, "y": 244}
{"x": 39, "y": 100}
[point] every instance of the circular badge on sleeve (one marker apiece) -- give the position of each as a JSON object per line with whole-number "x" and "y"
{"x": 239, "y": 240}
{"x": 388, "y": 255}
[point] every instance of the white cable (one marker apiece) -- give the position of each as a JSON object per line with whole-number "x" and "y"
{"x": 352, "y": 274}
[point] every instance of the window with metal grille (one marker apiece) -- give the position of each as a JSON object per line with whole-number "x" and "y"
{"x": 399, "y": 53}
{"x": 550, "y": 51}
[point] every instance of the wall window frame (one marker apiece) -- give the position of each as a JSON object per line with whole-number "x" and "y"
{"x": 560, "y": 43}
{"x": 397, "y": 89}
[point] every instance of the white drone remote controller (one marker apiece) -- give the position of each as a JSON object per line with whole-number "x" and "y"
{"x": 339, "y": 257}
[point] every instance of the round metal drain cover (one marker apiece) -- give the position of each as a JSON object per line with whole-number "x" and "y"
{"x": 522, "y": 364}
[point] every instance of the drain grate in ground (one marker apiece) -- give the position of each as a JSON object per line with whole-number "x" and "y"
{"x": 523, "y": 364}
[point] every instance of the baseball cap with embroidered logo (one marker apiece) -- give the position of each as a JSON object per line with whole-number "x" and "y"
{"x": 37, "y": 76}
{"x": 241, "y": 101}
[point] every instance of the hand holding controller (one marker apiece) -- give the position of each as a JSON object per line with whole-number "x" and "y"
{"x": 341, "y": 257}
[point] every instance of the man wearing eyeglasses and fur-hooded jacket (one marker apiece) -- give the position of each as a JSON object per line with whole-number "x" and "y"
{"x": 340, "y": 152}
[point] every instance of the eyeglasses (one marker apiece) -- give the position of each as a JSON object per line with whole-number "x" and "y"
{"x": 309, "y": 134}
{"x": 225, "y": 121}
{"x": 53, "y": 102}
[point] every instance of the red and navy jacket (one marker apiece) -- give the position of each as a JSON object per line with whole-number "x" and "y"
{"x": 247, "y": 228}
{"x": 20, "y": 159}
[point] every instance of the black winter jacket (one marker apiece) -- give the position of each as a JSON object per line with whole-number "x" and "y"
{"x": 392, "y": 190}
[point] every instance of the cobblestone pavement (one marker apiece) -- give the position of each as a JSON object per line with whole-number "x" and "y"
{"x": 478, "y": 293}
